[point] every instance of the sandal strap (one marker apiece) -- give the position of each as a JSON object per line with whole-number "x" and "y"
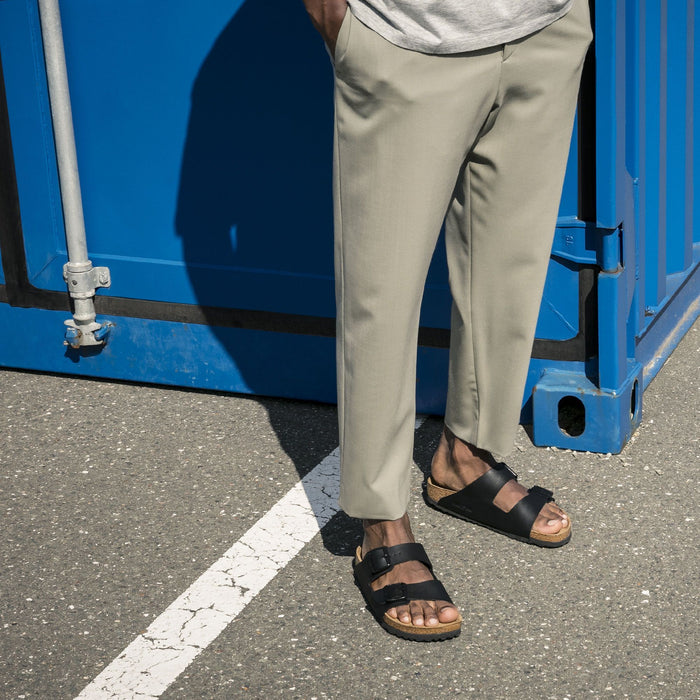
{"x": 476, "y": 504}
{"x": 524, "y": 513}
{"x": 475, "y": 501}
{"x": 378, "y": 562}
{"x": 487, "y": 486}
{"x": 403, "y": 593}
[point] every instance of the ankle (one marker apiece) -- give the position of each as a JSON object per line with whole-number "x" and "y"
{"x": 456, "y": 462}
{"x": 463, "y": 451}
{"x": 386, "y": 533}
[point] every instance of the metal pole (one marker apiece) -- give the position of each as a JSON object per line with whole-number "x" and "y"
{"x": 81, "y": 277}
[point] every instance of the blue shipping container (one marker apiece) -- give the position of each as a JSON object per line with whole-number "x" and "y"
{"x": 204, "y": 157}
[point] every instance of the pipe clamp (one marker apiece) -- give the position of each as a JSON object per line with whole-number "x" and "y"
{"x": 83, "y": 279}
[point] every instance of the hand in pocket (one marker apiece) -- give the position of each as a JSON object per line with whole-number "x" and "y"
{"x": 327, "y": 16}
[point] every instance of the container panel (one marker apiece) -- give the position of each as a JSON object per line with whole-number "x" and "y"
{"x": 32, "y": 138}
{"x": 206, "y": 159}
{"x": 678, "y": 127}
{"x": 559, "y": 311}
{"x": 653, "y": 97}
{"x": 693, "y": 136}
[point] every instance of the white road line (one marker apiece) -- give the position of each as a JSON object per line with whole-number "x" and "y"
{"x": 172, "y": 641}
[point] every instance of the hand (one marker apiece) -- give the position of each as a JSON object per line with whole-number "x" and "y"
{"x": 327, "y": 16}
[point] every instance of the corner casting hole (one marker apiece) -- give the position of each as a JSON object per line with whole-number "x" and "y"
{"x": 634, "y": 402}
{"x": 572, "y": 416}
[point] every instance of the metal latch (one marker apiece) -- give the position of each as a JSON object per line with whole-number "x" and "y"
{"x": 82, "y": 280}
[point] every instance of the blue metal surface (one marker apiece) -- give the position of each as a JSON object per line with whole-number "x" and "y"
{"x": 608, "y": 418}
{"x": 205, "y": 167}
{"x": 32, "y": 137}
{"x": 169, "y": 353}
{"x": 694, "y": 106}
{"x": 197, "y": 186}
{"x": 648, "y": 287}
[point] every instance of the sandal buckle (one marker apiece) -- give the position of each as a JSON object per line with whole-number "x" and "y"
{"x": 397, "y": 594}
{"x": 379, "y": 560}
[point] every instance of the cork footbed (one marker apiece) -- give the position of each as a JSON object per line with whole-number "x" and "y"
{"x": 435, "y": 493}
{"x": 434, "y": 631}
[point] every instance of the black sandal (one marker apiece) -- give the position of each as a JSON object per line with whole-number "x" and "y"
{"x": 378, "y": 562}
{"x": 474, "y": 503}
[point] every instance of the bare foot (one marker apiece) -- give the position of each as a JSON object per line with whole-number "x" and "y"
{"x": 387, "y": 533}
{"x": 457, "y": 463}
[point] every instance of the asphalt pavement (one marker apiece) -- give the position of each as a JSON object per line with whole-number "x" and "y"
{"x": 116, "y": 497}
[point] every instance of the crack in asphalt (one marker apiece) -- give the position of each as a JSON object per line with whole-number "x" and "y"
{"x": 157, "y": 657}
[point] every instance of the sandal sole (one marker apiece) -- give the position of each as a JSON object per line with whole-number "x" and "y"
{"x": 418, "y": 636}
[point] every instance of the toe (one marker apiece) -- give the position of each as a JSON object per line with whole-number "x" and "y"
{"x": 446, "y": 612}
{"x": 417, "y": 614}
{"x": 430, "y": 614}
{"x": 425, "y": 613}
{"x": 556, "y": 511}
{"x": 551, "y": 519}
{"x": 401, "y": 613}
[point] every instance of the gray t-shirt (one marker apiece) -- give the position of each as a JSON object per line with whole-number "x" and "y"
{"x": 453, "y": 26}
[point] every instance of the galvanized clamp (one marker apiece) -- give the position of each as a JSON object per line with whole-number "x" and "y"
{"x": 83, "y": 279}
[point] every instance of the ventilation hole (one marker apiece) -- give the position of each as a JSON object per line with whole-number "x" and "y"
{"x": 634, "y": 402}
{"x": 572, "y": 416}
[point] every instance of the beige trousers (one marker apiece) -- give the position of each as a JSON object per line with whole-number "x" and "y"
{"x": 478, "y": 140}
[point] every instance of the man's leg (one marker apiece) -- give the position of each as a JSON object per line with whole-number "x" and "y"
{"x": 499, "y": 234}
{"x": 404, "y": 124}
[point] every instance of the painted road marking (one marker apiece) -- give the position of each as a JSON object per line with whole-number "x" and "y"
{"x": 157, "y": 657}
